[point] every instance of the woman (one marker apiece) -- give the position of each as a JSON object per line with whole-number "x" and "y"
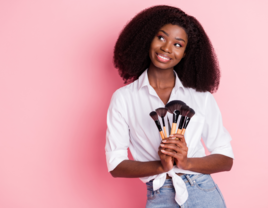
{"x": 166, "y": 55}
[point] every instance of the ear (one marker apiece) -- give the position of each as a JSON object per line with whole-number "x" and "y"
{"x": 184, "y": 55}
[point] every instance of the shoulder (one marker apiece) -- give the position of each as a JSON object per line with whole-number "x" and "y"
{"x": 125, "y": 90}
{"x": 197, "y": 94}
{"x": 206, "y": 103}
{"x": 200, "y": 98}
{"x": 122, "y": 94}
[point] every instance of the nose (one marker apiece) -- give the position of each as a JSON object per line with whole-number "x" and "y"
{"x": 166, "y": 47}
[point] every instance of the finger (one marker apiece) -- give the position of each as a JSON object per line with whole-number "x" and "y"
{"x": 170, "y": 146}
{"x": 178, "y": 137}
{"x": 167, "y": 139}
{"x": 168, "y": 150}
{"x": 181, "y": 137}
{"x": 173, "y": 154}
{"x": 178, "y": 155}
{"x": 174, "y": 141}
{"x": 172, "y": 136}
{"x": 179, "y": 151}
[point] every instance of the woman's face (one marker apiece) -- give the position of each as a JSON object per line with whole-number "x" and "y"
{"x": 168, "y": 46}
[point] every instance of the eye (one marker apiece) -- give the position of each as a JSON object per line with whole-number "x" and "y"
{"x": 159, "y": 37}
{"x": 178, "y": 45}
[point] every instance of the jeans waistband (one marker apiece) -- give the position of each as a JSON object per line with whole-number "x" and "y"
{"x": 189, "y": 178}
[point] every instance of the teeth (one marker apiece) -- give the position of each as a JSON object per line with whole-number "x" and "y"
{"x": 163, "y": 57}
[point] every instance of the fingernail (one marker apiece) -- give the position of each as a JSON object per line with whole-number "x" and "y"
{"x": 163, "y": 151}
{"x": 164, "y": 141}
{"x": 162, "y": 145}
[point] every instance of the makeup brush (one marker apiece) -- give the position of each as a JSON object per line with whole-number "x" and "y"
{"x": 154, "y": 116}
{"x": 172, "y": 107}
{"x": 169, "y": 126}
{"x": 184, "y": 111}
{"x": 162, "y": 113}
{"x": 187, "y": 120}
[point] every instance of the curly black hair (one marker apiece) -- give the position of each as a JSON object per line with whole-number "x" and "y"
{"x": 199, "y": 69}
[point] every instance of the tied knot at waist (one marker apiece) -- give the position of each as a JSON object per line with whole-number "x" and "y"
{"x": 180, "y": 188}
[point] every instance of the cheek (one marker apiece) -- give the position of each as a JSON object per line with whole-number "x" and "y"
{"x": 152, "y": 50}
{"x": 155, "y": 44}
{"x": 179, "y": 54}
{"x": 150, "y": 53}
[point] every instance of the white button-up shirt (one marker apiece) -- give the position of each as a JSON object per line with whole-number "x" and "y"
{"x": 130, "y": 126}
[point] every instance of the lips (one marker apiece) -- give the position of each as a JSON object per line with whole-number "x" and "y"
{"x": 163, "y": 58}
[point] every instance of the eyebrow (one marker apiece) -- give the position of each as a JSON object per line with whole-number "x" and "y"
{"x": 175, "y": 38}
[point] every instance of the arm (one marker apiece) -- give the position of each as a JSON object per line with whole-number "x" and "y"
{"x": 210, "y": 164}
{"x": 136, "y": 169}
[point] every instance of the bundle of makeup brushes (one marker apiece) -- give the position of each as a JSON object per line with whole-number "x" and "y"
{"x": 177, "y": 108}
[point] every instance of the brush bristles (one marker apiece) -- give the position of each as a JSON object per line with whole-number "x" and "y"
{"x": 185, "y": 110}
{"x": 161, "y": 112}
{"x": 174, "y": 105}
{"x": 191, "y": 113}
{"x": 154, "y": 115}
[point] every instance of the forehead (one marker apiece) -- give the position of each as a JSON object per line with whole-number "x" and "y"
{"x": 174, "y": 31}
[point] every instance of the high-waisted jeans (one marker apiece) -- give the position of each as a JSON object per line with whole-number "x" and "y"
{"x": 203, "y": 193}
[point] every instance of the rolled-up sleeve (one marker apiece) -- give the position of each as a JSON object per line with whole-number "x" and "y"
{"x": 117, "y": 134}
{"x": 216, "y": 138}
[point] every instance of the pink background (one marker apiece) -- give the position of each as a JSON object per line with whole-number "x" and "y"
{"x": 56, "y": 81}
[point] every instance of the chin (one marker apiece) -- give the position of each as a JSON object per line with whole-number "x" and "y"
{"x": 161, "y": 66}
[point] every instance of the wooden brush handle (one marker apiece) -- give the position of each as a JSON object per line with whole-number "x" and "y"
{"x": 162, "y": 134}
{"x": 173, "y": 128}
{"x": 165, "y": 131}
{"x": 179, "y": 131}
{"x": 183, "y": 131}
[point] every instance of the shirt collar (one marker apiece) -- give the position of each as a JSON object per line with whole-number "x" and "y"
{"x": 144, "y": 81}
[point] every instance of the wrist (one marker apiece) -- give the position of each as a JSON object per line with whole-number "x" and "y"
{"x": 188, "y": 164}
{"x": 160, "y": 168}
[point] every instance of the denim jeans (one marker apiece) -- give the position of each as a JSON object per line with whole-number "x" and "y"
{"x": 203, "y": 193}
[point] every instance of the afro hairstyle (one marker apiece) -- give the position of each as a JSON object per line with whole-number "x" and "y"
{"x": 199, "y": 69}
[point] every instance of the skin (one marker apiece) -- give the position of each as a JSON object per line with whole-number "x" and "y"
{"x": 171, "y": 40}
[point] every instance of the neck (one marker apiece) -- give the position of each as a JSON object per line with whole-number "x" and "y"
{"x": 161, "y": 78}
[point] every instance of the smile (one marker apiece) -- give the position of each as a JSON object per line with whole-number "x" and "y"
{"x": 162, "y": 58}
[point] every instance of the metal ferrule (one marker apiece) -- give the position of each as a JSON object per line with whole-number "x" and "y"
{"x": 181, "y": 122}
{"x": 175, "y": 117}
{"x": 186, "y": 122}
{"x": 158, "y": 125}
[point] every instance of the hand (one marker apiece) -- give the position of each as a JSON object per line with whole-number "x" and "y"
{"x": 177, "y": 148}
{"x": 166, "y": 160}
